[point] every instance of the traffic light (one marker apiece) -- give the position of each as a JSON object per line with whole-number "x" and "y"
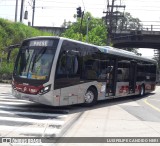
{"x": 79, "y": 12}
{"x": 26, "y": 14}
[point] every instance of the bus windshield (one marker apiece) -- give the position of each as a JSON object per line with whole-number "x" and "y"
{"x": 35, "y": 60}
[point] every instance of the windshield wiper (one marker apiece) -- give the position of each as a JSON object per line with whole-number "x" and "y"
{"x": 36, "y": 59}
{"x": 41, "y": 52}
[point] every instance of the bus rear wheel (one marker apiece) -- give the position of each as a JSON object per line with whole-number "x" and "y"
{"x": 90, "y": 97}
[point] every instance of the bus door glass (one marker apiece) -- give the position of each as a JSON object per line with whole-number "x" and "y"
{"x": 133, "y": 76}
{"x": 107, "y": 69}
{"x": 110, "y": 69}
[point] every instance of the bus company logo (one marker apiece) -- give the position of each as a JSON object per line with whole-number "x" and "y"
{"x": 6, "y": 140}
{"x": 32, "y": 90}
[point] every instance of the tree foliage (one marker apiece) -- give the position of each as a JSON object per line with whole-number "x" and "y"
{"x": 97, "y": 33}
{"x": 13, "y": 33}
{"x": 128, "y": 22}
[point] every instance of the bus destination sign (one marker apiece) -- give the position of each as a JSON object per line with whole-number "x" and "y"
{"x": 42, "y": 43}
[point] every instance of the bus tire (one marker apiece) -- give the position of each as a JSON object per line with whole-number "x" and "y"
{"x": 90, "y": 97}
{"x": 142, "y": 90}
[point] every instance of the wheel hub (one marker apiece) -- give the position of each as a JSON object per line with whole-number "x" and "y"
{"x": 89, "y": 97}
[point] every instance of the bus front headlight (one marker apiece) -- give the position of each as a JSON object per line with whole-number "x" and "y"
{"x": 45, "y": 89}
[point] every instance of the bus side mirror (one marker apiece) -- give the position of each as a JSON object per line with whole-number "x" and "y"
{"x": 8, "y": 55}
{"x": 9, "y": 50}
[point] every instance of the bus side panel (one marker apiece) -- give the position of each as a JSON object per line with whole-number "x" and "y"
{"x": 149, "y": 87}
{"x": 101, "y": 87}
{"x": 75, "y": 94}
{"x": 50, "y": 98}
{"x": 122, "y": 89}
{"x": 69, "y": 95}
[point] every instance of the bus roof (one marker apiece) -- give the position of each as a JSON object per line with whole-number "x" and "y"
{"x": 123, "y": 53}
{"x": 104, "y": 49}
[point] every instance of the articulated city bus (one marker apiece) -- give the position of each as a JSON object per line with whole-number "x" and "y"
{"x": 59, "y": 71}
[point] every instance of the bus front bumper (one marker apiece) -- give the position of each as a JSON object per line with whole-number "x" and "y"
{"x": 46, "y": 99}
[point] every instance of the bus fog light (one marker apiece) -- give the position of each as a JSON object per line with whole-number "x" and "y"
{"x": 45, "y": 89}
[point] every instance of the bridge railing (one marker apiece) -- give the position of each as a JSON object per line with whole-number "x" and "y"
{"x": 151, "y": 27}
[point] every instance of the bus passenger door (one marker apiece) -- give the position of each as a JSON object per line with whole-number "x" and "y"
{"x": 132, "y": 77}
{"x": 110, "y": 78}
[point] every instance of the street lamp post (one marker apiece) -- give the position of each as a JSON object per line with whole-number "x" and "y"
{"x": 21, "y": 13}
{"x": 16, "y": 9}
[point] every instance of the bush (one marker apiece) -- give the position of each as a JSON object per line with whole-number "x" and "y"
{"x": 13, "y": 33}
{"x": 6, "y": 70}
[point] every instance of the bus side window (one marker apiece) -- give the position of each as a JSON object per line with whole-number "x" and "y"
{"x": 119, "y": 75}
{"x": 68, "y": 64}
{"x": 62, "y": 65}
{"x": 72, "y": 64}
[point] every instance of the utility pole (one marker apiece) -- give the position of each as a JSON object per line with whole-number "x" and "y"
{"x": 21, "y": 14}
{"x": 88, "y": 19}
{"x": 112, "y": 16}
{"x": 16, "y": 9}
{"x": 110, "y": 24}
{"x": 33, "y": 12}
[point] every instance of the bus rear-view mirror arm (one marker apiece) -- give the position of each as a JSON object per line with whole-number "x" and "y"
{"x": 72, "y": 52}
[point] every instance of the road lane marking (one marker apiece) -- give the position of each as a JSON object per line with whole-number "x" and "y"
{"x": 32, "y": 114}
{"x": 151, "y": 105}
{"x": 27, "y": 120}
{"x": 30, "y": 130}
{"x": 14, "y": 100}
{"x": 12, "y": 103}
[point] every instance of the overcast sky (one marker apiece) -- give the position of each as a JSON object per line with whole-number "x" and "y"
{"x": 54, "y": 12}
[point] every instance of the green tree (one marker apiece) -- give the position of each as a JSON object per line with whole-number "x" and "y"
{"x": 97, "y": 33}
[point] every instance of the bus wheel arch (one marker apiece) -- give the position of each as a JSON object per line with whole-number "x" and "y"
{"x": 142, "y": 90}
{"x": 91, "y": 95}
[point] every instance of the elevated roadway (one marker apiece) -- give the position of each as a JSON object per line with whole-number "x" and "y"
{"x": 136, "y": 39}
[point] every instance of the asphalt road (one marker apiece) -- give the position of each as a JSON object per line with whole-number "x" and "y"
{"x": 149, "y": 106}
{"x": 24, "y": 118}
{"x": 122, "y": 117}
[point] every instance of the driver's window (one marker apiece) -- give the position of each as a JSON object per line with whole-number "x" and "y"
{"x": 68, "y": 65}
{"x": 62, "y": 65}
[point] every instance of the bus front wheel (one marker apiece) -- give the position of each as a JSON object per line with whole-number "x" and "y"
{"x": 90, "y": 97}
